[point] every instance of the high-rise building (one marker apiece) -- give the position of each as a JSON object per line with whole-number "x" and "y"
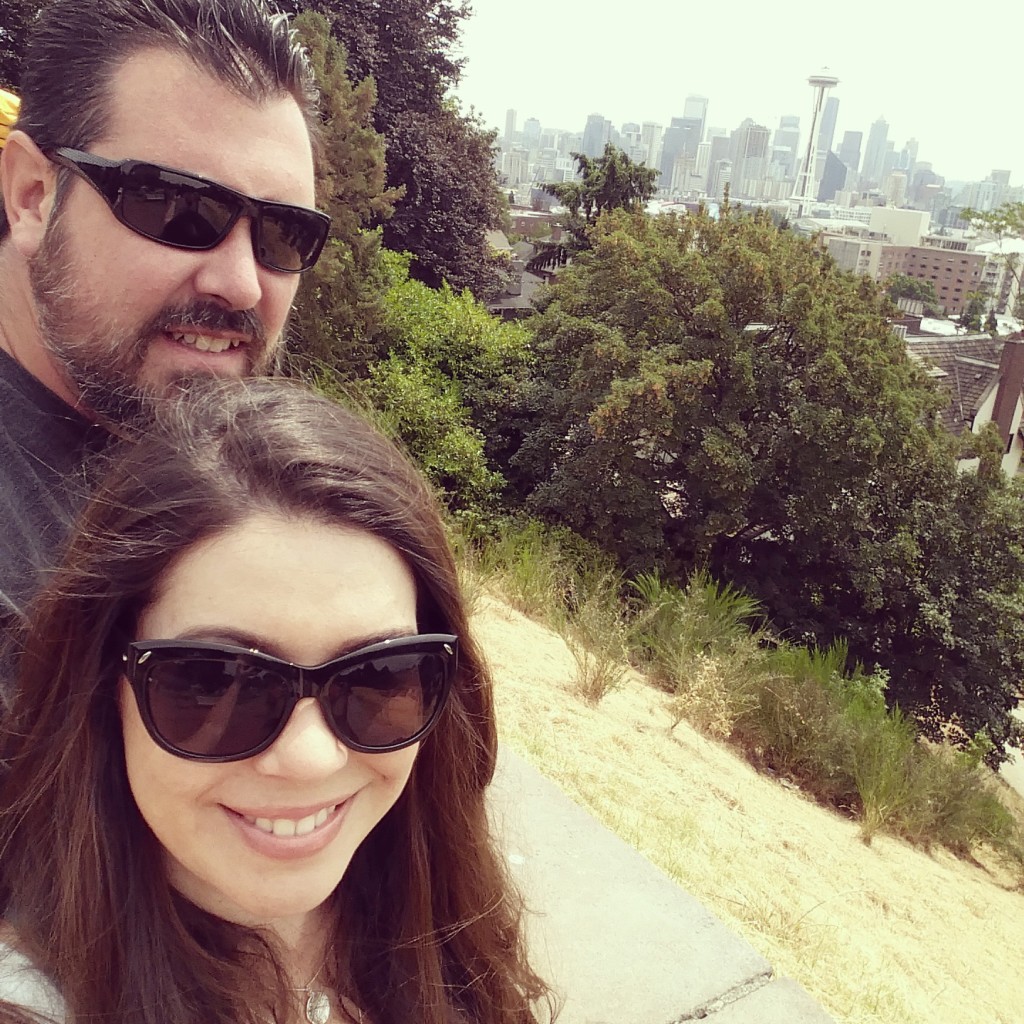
{"x": 531, "y": 133}
{"x": 874, "y": 153}
{"x": 510, "y": 127}
{"x": 786, "y": 144}
{"x": 827, "y": 131}
{"x": 750, "y": 158}
{"x": 834, "y": 176}
{"x": 695, "y": 108}
{"x": 650, "y": 137}
{"x": 849, "y": 150}
{"x": 596, "y": 133}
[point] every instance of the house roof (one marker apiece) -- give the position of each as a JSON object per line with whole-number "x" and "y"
{"x": 966, "y": 367}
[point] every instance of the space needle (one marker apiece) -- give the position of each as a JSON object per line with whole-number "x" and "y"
{"x": 804, "y": 193}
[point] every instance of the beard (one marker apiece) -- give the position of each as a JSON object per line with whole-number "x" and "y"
{"x": 103, "y": 360}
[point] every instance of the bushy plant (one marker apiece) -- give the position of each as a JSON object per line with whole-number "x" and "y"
{"x": 596, "y": 631}
{"x": 673, "y": 626}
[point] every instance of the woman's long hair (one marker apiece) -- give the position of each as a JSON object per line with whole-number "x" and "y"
{"x": 427, "y": 928}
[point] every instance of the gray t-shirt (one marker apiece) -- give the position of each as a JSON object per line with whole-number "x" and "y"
{"x": 43, "y": 445}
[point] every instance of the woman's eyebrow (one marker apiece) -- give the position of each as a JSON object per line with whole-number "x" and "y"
{"x": 255, "y": 642}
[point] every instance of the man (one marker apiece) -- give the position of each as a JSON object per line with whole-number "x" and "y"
{"x": 119, "y": 277}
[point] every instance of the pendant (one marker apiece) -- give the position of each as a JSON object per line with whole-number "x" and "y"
{"x": 318, "y": 1007}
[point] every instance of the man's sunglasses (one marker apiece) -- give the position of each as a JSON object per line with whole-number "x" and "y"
{"x": 185, "y": 211}
{"x": 213, "y": 702}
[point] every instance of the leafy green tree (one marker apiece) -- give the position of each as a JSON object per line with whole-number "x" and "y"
{"x": 451, "y": 373}
{"x": 991, "y": 324}
{"x": 440, "y": 157}
{"x": 970, "y": 317}
{"x": 338, "y": 315}
{"x": 724, "y": 398}
{"x": 609, "y": 182}
{"x": 1004, "y": 222}
{"x": 900, "y": 286}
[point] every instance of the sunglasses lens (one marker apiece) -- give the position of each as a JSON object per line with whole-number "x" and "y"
{"x": 389, "y": 699}
{"x": 290, "y": 238}
{"x": 175, "y": 209}
{"x": 215, "y": 707}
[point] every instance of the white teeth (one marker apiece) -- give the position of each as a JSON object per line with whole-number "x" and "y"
{"x": 291, "y": 827}
{"x": 205, "y": 343}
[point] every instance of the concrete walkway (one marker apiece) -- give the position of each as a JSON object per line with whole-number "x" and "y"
{"x": 619, "y": 940}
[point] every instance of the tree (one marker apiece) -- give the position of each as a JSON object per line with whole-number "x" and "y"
{"x": 900, "y": 286}
{"x": 451, "y": 372}
{"x": 608, "y": 182}
{"x": 1003, "y": 223}
{"x": 970, "y": 316}
{"x": 991, "y": 324}
{"x": 439, "y": 156}
{"x": 725, "y": 398}
{"x": 339, "y": 309}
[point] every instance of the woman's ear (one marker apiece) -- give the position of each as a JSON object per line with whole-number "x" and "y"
{"x": 29, "y": 183}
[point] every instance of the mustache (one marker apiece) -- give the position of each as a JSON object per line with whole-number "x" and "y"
{"x": 199, "y": 315}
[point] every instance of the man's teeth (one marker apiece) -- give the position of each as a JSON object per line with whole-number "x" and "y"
{"x": 204, "y": 342}
{"x": 291, "y": 827}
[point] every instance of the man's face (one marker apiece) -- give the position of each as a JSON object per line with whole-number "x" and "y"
{"x": 123, "y": 316}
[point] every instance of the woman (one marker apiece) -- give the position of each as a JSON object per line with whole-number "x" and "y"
{"x": 194, "y": 828}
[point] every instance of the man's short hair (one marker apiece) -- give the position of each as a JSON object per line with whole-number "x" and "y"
{"x": 76, "y": 47}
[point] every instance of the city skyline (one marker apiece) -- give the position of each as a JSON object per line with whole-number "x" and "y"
{"x": 887, "y": 62}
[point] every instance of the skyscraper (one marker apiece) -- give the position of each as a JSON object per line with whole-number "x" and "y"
{"x": 827, "y": 131}
{"x": 510, "y": 126}
{"x": 596, "y": 134}
{"x": 874, "y": 152}
{"x": 695, "y": 113}
{"x": 849, "y": 150}
{"x": 750, "y": 158}
{"x": 786, "y": 143}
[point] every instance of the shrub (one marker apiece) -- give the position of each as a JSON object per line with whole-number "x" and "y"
{"x": 596, "y": 632}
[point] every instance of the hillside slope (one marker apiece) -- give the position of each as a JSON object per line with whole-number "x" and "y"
{"x": 880, "y": 934}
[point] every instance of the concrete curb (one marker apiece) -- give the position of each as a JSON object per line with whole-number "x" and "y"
{"x": 618, "y": 939}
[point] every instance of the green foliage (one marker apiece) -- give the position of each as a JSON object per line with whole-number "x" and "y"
{"x": 339, "y": 306}
{"x": 725, "y": 397}
{"x": 672, "y": 626}
{"x": 970, "y": 318}
{"x": 900, "y": 286}
{"x": 991, "y": 324}
{"x": 596, "y": 632}
{"x": 608, "y": 182}
{"x": 444, "y": 383}
{"x": 438, "y": 156}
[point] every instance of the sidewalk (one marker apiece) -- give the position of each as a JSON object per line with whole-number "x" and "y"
{"x": 619, "y": 940}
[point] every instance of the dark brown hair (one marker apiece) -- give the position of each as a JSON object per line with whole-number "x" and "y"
{"x": 428, "y": 928}
{"x": 75, "y": 48}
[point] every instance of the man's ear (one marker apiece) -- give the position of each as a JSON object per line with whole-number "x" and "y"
{"x": 29, "y": 183}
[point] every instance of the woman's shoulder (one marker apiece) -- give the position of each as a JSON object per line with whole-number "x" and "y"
{"x": 23, "y": 985}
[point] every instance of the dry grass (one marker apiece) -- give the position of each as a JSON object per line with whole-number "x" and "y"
{"x": 880, "y": 934}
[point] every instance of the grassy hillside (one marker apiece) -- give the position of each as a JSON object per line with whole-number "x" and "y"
{"x": 879, "y": 933}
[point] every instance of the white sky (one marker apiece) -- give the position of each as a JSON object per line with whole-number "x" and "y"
{"x": 948, "y": 77}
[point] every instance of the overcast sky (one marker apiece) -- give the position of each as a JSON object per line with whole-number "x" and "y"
{"x": 948, "y": 75}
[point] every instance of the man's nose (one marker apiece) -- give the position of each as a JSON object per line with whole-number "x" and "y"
{"x": 229, "y": 272}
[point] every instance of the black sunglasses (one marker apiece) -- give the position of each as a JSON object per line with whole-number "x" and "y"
{"x": 185, "y": 211}
{"x": 214, "y": 702}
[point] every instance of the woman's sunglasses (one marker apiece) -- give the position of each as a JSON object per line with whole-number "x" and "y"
{"x": 213, "y": 702}
{"x": 185, "y": 211}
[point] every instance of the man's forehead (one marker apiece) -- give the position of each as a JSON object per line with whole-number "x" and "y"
{"x": 162, "y": 107}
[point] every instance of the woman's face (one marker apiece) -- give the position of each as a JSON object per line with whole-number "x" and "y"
{"x": 305, "y": 592}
